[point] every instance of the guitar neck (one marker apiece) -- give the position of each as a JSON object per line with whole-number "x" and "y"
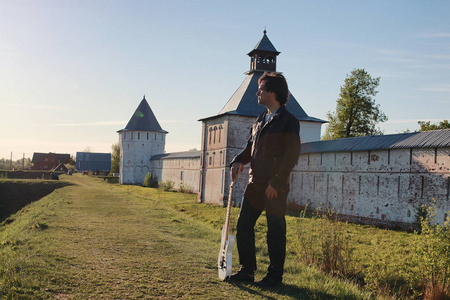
{"x": 230, "y": 199}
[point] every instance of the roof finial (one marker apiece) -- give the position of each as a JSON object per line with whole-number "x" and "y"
{"x": 265, "y": 31}
{"x": 144, "y": 97}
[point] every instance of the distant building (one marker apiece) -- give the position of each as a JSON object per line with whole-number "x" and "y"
{"x": 61, "y": 168}
{"x": 48, "y": 161}
{"x": 94, "y": 162}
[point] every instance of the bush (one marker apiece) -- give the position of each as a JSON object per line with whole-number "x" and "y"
{"x": 150, "y": 181}
{"x": 327, "y": 246}
{"x": 184, "y": 188}
{"x": 432, "y": 251}
{"x": 166, "y": 185}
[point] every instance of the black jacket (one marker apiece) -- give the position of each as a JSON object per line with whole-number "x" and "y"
{"x": 272, "y": 149}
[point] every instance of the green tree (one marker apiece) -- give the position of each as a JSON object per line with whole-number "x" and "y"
{"x": 425, "y": 126}
{"x": 115, "y": 158}
{"x": 356, "y": 112}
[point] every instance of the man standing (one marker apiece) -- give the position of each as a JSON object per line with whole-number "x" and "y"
{"x": 272, "y": 150}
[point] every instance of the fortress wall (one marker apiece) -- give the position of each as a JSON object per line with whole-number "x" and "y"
{"x": 382, "y": 186}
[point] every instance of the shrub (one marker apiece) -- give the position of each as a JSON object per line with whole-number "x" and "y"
{"x": 432, "y": 251}
{"x": 184, "y": 188}
{"x": 166, "y": 185}
{"x": 150, "y": 181}
{"x": 327, "y": 246}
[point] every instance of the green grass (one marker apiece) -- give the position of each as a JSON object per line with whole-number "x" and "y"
{"x": 94, "y": 240}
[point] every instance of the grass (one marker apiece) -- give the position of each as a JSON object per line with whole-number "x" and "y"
{"x": 94, "y": 240}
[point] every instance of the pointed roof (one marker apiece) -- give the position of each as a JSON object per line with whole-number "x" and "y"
{"x": 244, "y": 102}
{"x": 143, "y": 119}
{"x": 264, "y": 45}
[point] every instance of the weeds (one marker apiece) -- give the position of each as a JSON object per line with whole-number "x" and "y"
{"x": 150, "y": 180}
{"x": 432, "y": 250}
{"x": 166, "y": 185}
{"x": 185, "y": 188}
{"x": 327, "y": 246}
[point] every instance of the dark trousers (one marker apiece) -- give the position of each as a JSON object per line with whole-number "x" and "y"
{"x": 253, "y": 204}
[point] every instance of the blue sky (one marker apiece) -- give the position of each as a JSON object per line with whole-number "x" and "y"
{"x": 73, "y": 72}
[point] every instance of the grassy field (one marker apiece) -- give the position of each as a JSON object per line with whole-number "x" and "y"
{"x": 94, "y": 240}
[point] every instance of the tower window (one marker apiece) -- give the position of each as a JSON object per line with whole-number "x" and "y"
{"x": 210, "y": 135}
{"x": 220, "y": 131}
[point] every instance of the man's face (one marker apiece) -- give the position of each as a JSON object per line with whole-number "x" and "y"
{"x": 264, "y": 97}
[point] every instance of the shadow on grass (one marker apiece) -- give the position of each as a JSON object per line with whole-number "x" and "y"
{"x": 285, "y": 290}
{"x": 15, "y": 194}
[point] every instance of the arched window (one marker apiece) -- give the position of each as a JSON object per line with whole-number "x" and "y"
{"x": 210, "y": 135}
{"x": 220, "y": 132}
{"x": 215, "y": 131}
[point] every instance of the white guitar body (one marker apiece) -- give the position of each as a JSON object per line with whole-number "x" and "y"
{"x": 225, "y": 255}
{"x": 226, "y": 246}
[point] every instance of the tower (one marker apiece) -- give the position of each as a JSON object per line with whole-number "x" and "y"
{"x": 225, "y": 134}
{"x": 141, "y": 138}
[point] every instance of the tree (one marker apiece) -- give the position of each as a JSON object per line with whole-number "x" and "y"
{"x": 425, "y": 126}
{"x": 356, "y": 112}
{"x": 115, "y": 158}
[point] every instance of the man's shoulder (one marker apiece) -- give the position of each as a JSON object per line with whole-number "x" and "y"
{"x": 287, "y": 114}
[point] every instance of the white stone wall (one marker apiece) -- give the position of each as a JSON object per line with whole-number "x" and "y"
{"x": 182, "y": 171}
{"x": 136, "y": 149}
{"x": 374, "y": 186}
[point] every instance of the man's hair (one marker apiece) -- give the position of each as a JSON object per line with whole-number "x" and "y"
{"x": 276, "y": 83}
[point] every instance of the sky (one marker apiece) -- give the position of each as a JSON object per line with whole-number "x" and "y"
{"x": 72, "y": 73}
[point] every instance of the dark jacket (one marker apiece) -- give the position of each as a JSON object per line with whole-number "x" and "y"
{"x": 272, "y": 149}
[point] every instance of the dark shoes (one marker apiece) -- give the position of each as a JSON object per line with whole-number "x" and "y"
{"x": 242, "y": 276}
{"x": 268, "y": 282}
{"x": 249, "y": 277}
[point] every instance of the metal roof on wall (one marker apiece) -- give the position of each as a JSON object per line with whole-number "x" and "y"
{"x": 421, "y": 139}
{"x": 177, "y": 155}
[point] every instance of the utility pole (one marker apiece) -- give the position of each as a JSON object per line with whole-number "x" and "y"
{"x": 23, "y": 162}
{"x": 10, "y": 162}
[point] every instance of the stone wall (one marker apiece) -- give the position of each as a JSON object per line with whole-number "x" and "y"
{"x": 182, "y": 171}
{"x": 383, "y": 186}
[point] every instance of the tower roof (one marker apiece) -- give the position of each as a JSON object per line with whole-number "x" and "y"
{"x": 264, "y": 45}
{"x": 143, "y": 119}
{"x": 245, "y": 102}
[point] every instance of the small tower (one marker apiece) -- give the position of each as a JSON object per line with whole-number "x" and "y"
{"x": 141, "y": 138}
{"x": 264, "y": 56}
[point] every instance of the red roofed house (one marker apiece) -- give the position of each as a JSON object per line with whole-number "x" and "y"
{"x": 48, "y": 161}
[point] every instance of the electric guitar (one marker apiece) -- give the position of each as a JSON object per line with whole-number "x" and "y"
{"x": 227, "y": 244}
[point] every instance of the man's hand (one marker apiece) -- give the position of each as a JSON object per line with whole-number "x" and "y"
{"x": 235, "y": 168}
{"x": 271, "y": 193}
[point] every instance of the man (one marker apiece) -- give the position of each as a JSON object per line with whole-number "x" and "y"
{"x": 272, "y": 150}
